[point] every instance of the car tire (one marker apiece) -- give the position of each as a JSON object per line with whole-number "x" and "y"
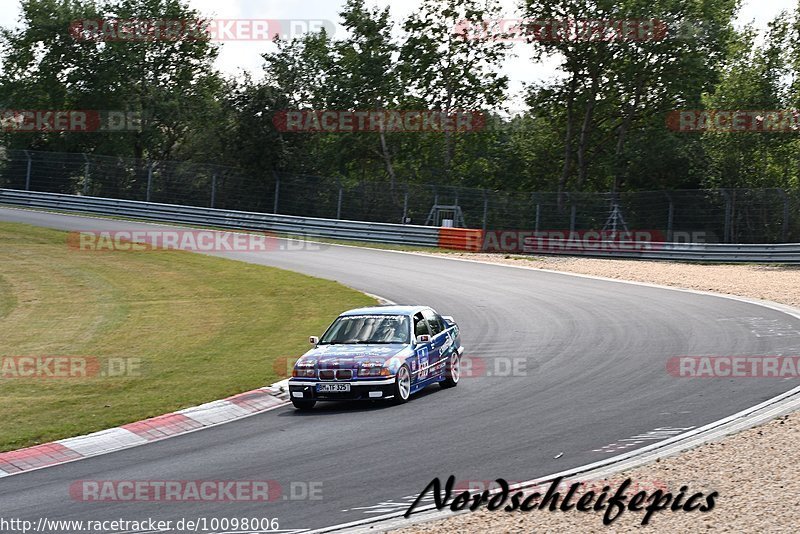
{"x": 452, "y": 372}
{"x": 402, "y": 385}
{"x": 303, "y": 405}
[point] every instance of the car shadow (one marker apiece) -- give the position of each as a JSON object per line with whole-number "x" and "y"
{"x": 343, "y": 407}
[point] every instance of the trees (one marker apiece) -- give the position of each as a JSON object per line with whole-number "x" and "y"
{"x": 599, "y": 125}
{"x": 44, "y": 67}
{"x": 618, "y": 83}
{"x": 171, "y": 83}
{"x": 754, "y": 77}
{"x": 446, "y": 67}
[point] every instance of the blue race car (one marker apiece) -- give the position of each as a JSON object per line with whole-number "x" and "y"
{"x": 382, "y": 352}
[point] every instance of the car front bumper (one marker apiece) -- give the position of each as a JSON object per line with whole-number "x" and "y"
{"x": 306, "y": 389}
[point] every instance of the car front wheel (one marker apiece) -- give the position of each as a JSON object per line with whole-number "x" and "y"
{"x": 452, "y": 373}
{"x": 402, "y": 385}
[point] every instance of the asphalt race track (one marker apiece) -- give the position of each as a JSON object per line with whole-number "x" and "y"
{"x": 595, "y": 353}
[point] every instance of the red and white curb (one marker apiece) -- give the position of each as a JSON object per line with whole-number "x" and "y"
{"x": 141, "y": 432}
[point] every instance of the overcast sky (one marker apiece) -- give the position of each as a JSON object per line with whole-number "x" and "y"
{"x": 236, "y": 56}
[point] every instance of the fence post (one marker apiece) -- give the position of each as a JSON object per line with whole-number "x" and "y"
{"x": 86, "y": 175}
{"x": 670, "y": 217}
{"x": 149, "y": 180}
{"x": 538, "y": 213}
{"x": 339, "y": 201}
{"x": 277, "y": 191}
{"x": 28, "y": 172}
{"x": 785, "y": 227}
{"x": 405, "y": 205}
{"x": 485, "y": 209}
{"x": 727, "y": 228}
{"x": 573, "y": 213}
{"x": 213, "y": 189}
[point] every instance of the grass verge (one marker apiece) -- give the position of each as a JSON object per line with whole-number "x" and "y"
{"x": 180, "y": 328}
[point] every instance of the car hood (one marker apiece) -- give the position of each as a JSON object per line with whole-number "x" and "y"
{"x": 351, "y": 356}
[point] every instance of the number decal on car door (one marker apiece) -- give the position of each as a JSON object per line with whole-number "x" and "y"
{"x": 422, "y": 359}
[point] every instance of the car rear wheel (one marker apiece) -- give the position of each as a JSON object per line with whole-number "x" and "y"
{"x": 452, "y": 372}
{"x": 303, "y": 404}
{"x": 402, "y": 385}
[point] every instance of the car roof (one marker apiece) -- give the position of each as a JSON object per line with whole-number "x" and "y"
{"x": 386, "y": 310}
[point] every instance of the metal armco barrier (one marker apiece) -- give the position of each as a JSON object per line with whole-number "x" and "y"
{"x": 696, "y": 252}
{"x": 427, "y": 236}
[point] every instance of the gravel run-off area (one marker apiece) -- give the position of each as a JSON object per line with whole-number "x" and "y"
{"x": 756, "y": 472}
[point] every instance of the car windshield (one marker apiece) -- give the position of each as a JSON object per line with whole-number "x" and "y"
{"x": 368, "y": 329}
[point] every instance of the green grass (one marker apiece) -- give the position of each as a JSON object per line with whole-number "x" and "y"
{"x": 203, "y": 328}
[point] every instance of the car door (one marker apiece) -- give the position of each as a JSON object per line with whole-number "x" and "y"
{"x": 420, "y": 366}
{"x": 439, "y": 345}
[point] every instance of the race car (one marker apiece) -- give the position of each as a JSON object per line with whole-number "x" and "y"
{"x": 375, "y": 353}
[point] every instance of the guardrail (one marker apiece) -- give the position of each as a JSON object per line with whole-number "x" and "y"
{"x": 694, "y": 252}
{"x": 537, "y": 243}
{"x": 426, "y": 236}
{"x": 398, "y": 234}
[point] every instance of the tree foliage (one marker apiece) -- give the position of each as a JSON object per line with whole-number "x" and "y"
{"x": 599, "y": 125}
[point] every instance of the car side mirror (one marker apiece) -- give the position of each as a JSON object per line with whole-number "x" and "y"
{"x": 313, "y": 340}
{"x": 424, "y": 338}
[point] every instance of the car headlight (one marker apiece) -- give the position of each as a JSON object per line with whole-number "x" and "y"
{"x": 304, "y": 372}
{"x": 377, "y": 370}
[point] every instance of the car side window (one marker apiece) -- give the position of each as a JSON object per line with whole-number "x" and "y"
{"x": 434, "y": 321}
{"x": 420, "y": 326}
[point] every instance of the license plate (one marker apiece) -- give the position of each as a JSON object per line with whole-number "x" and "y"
{"x": 333, "y": 388}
